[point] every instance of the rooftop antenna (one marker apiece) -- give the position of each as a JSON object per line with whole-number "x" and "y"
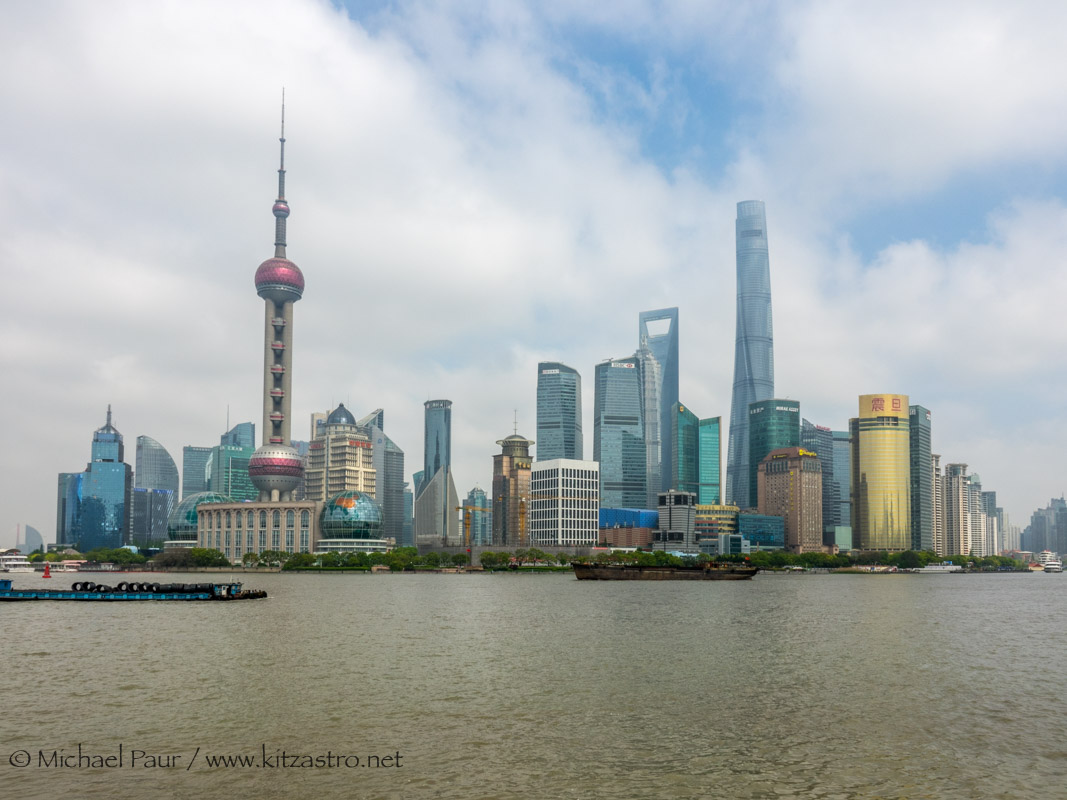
{"x": 109, "y": 415}
{"x": 281, "y": 208}
{"x": 516, "y": 431}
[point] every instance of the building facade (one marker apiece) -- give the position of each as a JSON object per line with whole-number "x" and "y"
{"x": 559, "y": 412}
{"x": 676, "y": 529}
{"x": 685, "y": 445}
{"x": 709, "y": 446}
{"x": 618, "y": 434}
{"x": 511, "y": 492}
{"x": 754, "y": 345}
{"x": 772, "y": 425}
{"x": 881, "y": 474}
{"x": 340, "y": 459}
{"x": 194, "y": 469}
{"x": 388, "y": 463}
{"x": 564, "y": 503}
{"x": 790, "y": 487}
{"x": 477, "y": 519}
{"x": 820, "y": 440}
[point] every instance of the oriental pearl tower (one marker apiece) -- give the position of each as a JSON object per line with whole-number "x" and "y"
{"x": 276, "y": 468}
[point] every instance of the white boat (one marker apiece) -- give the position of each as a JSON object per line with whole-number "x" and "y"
{"x": 14, "y": 561}
{"x": 1053, "y": 566}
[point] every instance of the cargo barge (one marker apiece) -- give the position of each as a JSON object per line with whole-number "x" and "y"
{"x": 87, "y": 590}
{"x": 634, "y": 572}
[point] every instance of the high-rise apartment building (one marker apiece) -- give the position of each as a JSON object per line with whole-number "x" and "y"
{"x": 619, "y": 433}
{"x": 754, "y": 345}
{"x": 772, "y": 425}
{"x": 511, "y": 492}
{"x": 709, "y": 444}
{"x": 922, "y": 479}
{"x": 937, "y": 497}
{"x": 564, "y": 503}
{"x": 881, "y": 474}
{"x": 559, "y": 412}
{"x": 790, "y": 487}
{"x": 657, "y": 353}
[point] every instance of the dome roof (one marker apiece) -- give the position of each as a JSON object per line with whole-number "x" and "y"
{"x": 182, "y": 523}
{"x": 340, "y": 416}
{"x": 280, "y": 279}
{"x": 351, "y": 515}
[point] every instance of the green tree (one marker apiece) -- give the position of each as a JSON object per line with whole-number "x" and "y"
{"x": 207, "y": 557}
{"x": 299, "y": 561}
{"x": 460, "y": 559}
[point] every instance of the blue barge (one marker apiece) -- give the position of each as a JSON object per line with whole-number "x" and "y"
{"x": 87, "y": 590}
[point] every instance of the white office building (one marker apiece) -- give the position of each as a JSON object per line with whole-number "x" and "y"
{"x": 564, "y": 503}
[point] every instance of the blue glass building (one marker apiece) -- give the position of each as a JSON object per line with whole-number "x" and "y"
{"x": 763, "y": 531}
{"x": 437, "y": 447}
{"x": 559, "y": 412}
{"x": 619, "y": 434}
{"x": 709, "y": 486}
{"x": 657, "y": 351}
{"x": 101, "y": 495}
{"x": 754, "y": 344}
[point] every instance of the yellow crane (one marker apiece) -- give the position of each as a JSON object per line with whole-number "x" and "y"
{"x": 467, "y": 522}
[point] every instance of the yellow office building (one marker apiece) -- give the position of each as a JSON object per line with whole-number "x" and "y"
{"x": 881, "y": 470}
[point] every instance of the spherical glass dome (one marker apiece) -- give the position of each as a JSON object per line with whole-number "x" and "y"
{"x": 181, "y": 527}
{"x": 351, "y": 515}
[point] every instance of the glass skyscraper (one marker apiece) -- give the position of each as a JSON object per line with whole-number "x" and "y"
{"x": 685, "y": 442}
{"x": 820, "y": 440}
{"x": 709, "y": 488}
{"x": 559, "y": 412}
{"x": 922, "y": 479}
{"x": 388, "y": 462}
{"x": 619, "y": 434}
{"x": 95, "y": 506}
{"x": 772, "y": 425}
{"x": 194, "y": 469}
{"x": 243, "y": 434}
{"x": 881, "y": 474}
{"x": 657, "y": 351}
{"x": 754, "y": 345}
{"x": 437, "y": 448}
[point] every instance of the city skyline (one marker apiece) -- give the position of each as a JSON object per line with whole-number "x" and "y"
{"x": 535, "y": 229}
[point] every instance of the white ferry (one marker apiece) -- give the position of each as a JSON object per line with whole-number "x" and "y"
{"x": 1053, "y": 566}
{"x": 14, "y": 561}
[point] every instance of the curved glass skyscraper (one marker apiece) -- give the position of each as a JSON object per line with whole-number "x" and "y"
{"x": 754, "y": 353}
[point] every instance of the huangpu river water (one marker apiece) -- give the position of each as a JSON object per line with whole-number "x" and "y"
{"x": 529, "y": 686}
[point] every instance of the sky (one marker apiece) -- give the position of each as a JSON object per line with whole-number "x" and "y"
{"x": 476, "y": 187}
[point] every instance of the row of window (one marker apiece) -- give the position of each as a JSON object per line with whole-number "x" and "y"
{"x": 216, "y": 519}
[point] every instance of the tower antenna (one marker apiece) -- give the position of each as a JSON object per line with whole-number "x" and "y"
{"x": 281, "y": 208}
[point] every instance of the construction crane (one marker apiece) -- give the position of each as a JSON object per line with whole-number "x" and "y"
{"x": 467, "y": 522}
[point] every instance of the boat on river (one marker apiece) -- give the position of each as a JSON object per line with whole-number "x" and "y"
{"x": 126, "y": 591}
{"x": 636, "y": 572}
{"x": 14, "y": 561}
{"x": 1054, "y": 566}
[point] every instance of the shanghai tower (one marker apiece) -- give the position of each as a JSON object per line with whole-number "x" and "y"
{"x": 754, "y": 346}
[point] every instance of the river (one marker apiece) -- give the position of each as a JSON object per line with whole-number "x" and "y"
{"x": 531, "y": 686}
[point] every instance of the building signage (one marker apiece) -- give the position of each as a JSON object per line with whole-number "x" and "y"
{"x": 550, "y": 372}
{"x": 623, "y": 365}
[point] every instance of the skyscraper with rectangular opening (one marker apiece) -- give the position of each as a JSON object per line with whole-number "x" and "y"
{"x": 657, "y": 351}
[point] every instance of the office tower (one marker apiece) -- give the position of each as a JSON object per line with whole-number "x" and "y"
{"x": 155, "y": 482}
{"x": 408, "y": 534}
{"x": 559, "y": 412}
{"x": 657, "y": 353}
{"x": 436, "y": 500}
{"x": 922, "y": 479}
{"x": 276, "y": 468}
{"x": 754, "y": 345}
{"x": 94, "y": 506}
{"x": 340, "y": 459}
{"x": 227, "y": 472}
{"x": 194, "y": 469}
{"x": 842, "y": 456}
{"x": 790, "y": 487}
{"x": 820, "y": 440}
{"x": 684, "y": 432}
{"x": 881, "y": 475}
{"x": 243, "y": 434}
{"x": 30, "y": 541}
{"x": 619, "y": 435}
{"x": 676, "y": 530}
{"x": 511, "y": 492}
{"x": 772, "y": 425}
{"x": 477, "y": 518}
{"x": 564, "y": 503}
{"x": 68, "y": 504}
{"x": 709, "y": 445}
{"x": 437, "y": 438}
{"x": 389, "y": 475}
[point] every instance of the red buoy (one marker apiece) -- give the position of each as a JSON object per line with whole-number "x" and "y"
{"x": 47, "y": 570}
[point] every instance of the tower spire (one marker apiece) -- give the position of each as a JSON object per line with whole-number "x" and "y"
{"x": 281, "y": 208}
{"x": 109, "y": 415}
